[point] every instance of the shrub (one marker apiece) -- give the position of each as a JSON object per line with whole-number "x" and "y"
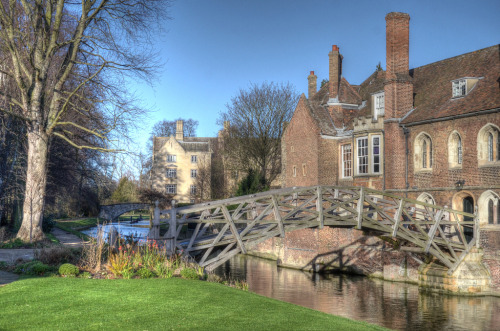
{"x": 189, "y": 273}
{"x": 15, "y": 243}
{"x": 145, "y": 273}
{"x": 3, "y": 265}
{"x": 86, "y": 274}
{"x": 68, "y": 269}
{"x": 57, "y": 255}
{"x": 48, "y": 223}
{"x": 163, "y": 271}
{"x": 32, "y": 268}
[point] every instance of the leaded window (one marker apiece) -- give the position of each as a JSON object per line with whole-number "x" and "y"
{"x": 171, "y": 173}
{"x": 346, "y": 161}
{"x": 171, "y": 188}
{"x": 459, "y": 88}
{"x": 376, "y": 154}
{"x": 194, "y": 173}
{"x": 171, "y": 158}
{"x": 362, "y": 155}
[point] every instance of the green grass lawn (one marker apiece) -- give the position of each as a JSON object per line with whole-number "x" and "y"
{"x": 152, "y": 304}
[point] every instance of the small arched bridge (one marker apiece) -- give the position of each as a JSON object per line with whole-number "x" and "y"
{"x": 225, "y": 228}
{"x": 112, "y": 212}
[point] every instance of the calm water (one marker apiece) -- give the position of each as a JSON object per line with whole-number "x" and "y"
{"x": 393, "y": 305}
{"x": 139, "y": 230}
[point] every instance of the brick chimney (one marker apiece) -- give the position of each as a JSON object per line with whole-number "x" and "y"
{"x": 312, "y": 79}
{"x": 179, "y": 132}
{"x": 335, "y": 71}
{"x": 398, "y": 94}
{"x": 397, "y": 43}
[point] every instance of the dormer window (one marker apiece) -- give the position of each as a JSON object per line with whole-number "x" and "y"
{"x": 459, "y": 88}
{"x": 379, "y": 105}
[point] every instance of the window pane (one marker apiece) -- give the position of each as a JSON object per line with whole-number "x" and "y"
{"x": 346, "y": 161}
{"x": 362, "y": 155}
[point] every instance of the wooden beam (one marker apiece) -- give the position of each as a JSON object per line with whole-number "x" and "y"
{"x": 319, "y": 207}
{"x": 360, "y": 207}
{"x": 397, "y": 218}
{"x": 233, "y": 228}
{"x": 277, "y": 215}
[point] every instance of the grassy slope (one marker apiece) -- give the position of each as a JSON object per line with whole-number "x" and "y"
{"x": 154, "y": 304}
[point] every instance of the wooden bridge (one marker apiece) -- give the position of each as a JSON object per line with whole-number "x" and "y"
{"x": 225, "y": 228}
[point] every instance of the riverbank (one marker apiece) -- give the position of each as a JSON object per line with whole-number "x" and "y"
{"x": 153, "y": 304}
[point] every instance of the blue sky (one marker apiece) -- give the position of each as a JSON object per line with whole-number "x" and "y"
{"x": 211, "y": 49}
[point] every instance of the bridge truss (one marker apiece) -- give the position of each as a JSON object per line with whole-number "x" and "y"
{"x": 225, "y": 228}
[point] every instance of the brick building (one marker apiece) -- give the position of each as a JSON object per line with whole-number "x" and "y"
{"x": 430, "y": 133}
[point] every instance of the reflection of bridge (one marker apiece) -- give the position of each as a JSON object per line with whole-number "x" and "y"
{"x": 112, "y": 212}
{"x": 227, "y": 227}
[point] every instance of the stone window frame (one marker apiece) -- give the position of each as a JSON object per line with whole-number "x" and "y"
{"x": 194, "y": 158}
{"x": 171, "y": 188}
{"x": 455, "y": 150}
{"x": 294, "y": 171}
{"x": 488, "y": 145}
{"x": 369, "y": 158}
{"x": 423, "y": 156}
{"x": 425, "y": 198}
{"x": 171, "y": 173}
{"x": 194, "y": 173}
{"x": 373, "y": 154}
{"x": 346, "y": 164}
{"x": 304, "y": 173}
{"x": 192, "y": 189}
{"x": 171, "y": 158}
{"x": 486, "y": 199}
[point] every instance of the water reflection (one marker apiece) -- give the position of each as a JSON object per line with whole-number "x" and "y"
{"x": 138, "y": 229}
{"x": 393, "y": 305}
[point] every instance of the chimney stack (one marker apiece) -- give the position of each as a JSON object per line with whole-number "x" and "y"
{"x": 335, "y": 71}
{"x": 179, "y": 133}
{"x": 313, "y": 84}
{"x": 397, "y": 43}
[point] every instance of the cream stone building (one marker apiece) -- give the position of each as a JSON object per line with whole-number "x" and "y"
{"x": 181, "y": 166}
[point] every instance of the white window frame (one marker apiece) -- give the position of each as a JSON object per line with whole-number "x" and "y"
{"x": 362, "y": 153}
{"x": 171, "y": 188}
{"x": 194, "y": 158}
{"x": 194, "y": 173}
{"x": 192, "y": 189}
{"x": 171, "y": 158}
{"x": 459, "y": 88}
{"x": 346, "y": 163}
{"x": 171, "y": 173}
{"x": 379, "y": 105}
{"x": 372, "y": 154}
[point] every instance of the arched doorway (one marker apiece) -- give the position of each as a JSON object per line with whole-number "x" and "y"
{"x": 468, "y": 207}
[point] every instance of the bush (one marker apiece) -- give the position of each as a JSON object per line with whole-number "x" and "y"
{"x": 48, "y": 223}
{"x": 57, "y": 255}
{"x": 189, "y": 273}
{"x": 163, "y": 271}
{"x": 86, "y": 275}
{"x": 68, "y": 269}
{"x": 3, "y": 265}
{"x": 15, "y": 243}
{"x": 33, "y": 268}
{"x": 145, "y": 273}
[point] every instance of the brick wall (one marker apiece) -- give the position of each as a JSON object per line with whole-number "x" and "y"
{"x": 302, "y": 145}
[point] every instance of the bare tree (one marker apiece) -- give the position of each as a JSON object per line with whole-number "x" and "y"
{"x": 202, "y": 190}
{"x": 67, "y": 57}
{"x": 257, "y": 117}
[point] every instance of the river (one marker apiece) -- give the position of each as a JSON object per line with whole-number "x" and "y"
{"x": 397, "y": 306}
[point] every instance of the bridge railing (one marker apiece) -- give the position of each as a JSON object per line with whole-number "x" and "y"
{"x": 227, "y": 227}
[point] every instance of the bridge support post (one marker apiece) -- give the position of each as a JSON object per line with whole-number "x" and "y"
{"x": 171, "y": 241}
{"x": 154, "y": 233}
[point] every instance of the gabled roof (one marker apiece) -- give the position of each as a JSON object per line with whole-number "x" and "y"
{"x": 432, "y": 85}
{"x": 189, "y": 144}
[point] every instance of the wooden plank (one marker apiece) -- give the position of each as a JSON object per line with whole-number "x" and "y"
{"x": 214, "y": 265}
{"x": 360, "y": 207}
{"x": 277, "y": 215}
{"x": 397, "y": 218}
{"x": 319, "y": 207}
{"x": 212, "y": 245}
{"x": 234, "y": 230}
{"x": 432, "y": 232}
{"x": 193, "y": 237}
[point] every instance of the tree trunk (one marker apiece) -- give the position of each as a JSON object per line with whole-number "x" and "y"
{"x": 36, "y": 180}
